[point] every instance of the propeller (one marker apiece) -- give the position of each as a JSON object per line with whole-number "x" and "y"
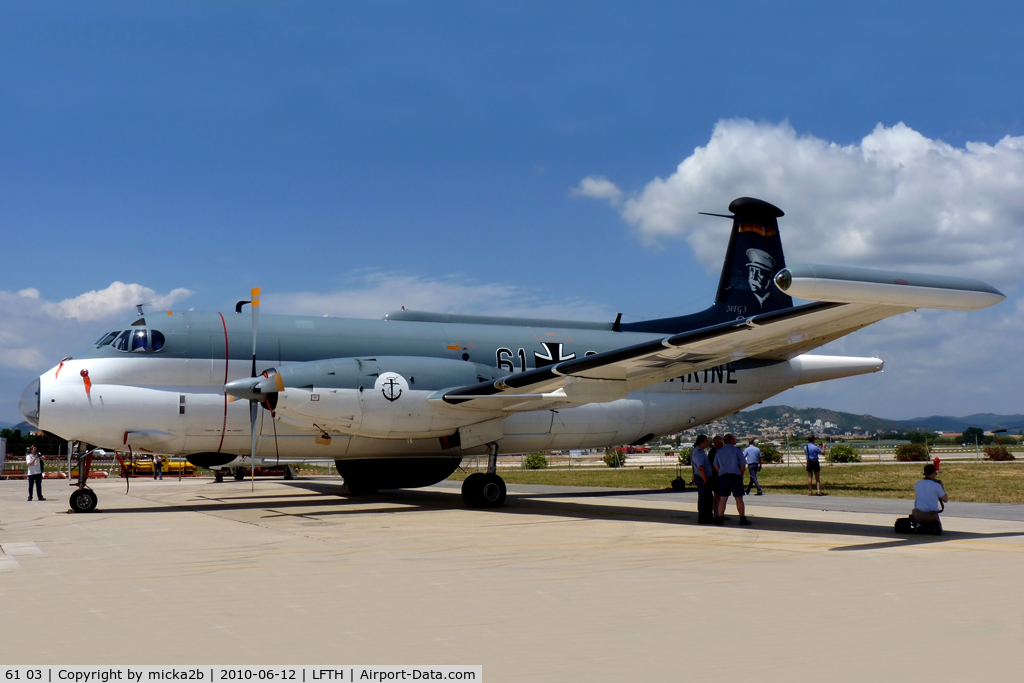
{"x": 254, "y": 405}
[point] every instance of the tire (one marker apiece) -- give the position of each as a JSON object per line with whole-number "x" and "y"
{"x": 83, "y": 500}
{"x": 471, "y": 490}
{"x": 484, "y": 490}
{"x": 218, "y": 476}
{"x": 493, "y": 491}
{"x": 239, "y": 474}
{"x": 289, "y": 473}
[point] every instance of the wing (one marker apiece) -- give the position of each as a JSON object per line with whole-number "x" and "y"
{"x": 869, "y": 296}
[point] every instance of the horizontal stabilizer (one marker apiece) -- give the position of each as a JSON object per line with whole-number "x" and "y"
{"x": 841, "y": 284}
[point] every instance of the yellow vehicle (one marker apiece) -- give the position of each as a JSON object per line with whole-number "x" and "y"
{"x": 145, "y": 466}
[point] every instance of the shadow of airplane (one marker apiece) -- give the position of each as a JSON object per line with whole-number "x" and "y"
{"x": 337, "y": 500}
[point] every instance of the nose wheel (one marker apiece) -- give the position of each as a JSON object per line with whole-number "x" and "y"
{"x": 83, "y": 500}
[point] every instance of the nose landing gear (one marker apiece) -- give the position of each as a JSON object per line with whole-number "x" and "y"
{"x": 488, "y": 490}
{"x": 83, "y": 498}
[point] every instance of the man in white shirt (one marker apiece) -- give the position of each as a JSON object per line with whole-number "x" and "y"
{"x": 753, "y": 455}
{"x": 929, "y": 494}
{"x": 34, "y": 461}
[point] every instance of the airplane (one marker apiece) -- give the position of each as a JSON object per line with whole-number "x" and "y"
{"x": 399, "y": 402}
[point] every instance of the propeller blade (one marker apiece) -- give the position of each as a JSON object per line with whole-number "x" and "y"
{"x": 255, "y": 296}
{"x": 254, "y": 409}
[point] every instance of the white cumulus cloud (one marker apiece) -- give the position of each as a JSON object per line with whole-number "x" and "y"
{"x": 116, "y": 299}
{"x": 34, "y": 332}
{"x": 598, "y": 187}
{"x": 895, "y": 199}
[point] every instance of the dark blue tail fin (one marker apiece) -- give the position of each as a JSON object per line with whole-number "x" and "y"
{"x": 745, "y": 288}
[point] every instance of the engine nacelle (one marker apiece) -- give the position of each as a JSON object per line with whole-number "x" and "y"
{"x": 384, "y": 397}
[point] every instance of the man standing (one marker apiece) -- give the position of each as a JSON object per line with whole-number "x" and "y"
{"x": 158, "y": 467}
{"x": 730, "y": 465}
{"x": 702, "y": 478}
{"x": 928, "y": 493}
{"x": 812, "y": 452}
{"x": 35, "y": 472}
{"x": 753, "y": 455}
{"x": 716, "y": 443}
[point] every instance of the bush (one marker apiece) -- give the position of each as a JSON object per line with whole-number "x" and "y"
{"x": 912, "y": 452}
{"x": 684, "y": 456}
{"x": 614, "y": 458}
{"x": 842, "y": 452}
{"x": 770, "y": 453}
{"x": 998, "y": 453}
{"x": 535, "y": 461}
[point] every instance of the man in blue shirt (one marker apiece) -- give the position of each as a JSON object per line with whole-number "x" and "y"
{"x": 929, "y": 494}
{"x": 753, "y": 455}
{"x": 813, "y": 465}
{"x": 730, "y": 464}
{"x": 702, "y": 478}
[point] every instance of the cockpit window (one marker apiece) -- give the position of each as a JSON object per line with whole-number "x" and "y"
{"x": 121, "y": 343}
{"x": 108, "y": 337}
{"x": 139, "y": 340}
{"x": 135, "y": 341}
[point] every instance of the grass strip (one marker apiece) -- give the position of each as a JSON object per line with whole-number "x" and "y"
{"x": 985, "y": 482}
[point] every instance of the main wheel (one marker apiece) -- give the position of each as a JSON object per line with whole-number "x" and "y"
{"x": 481, "y": 490}
{"x": 83, "y": 500}
{"x": 493, "y": 492}
{"x": 218, "y": 476}
{"x": 239, "y": 474}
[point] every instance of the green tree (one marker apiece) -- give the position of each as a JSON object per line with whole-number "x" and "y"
{"x": 842, "y": 452}
{"x": 911, "y": 452}
{"x": 535, "y": 461}
{"x": 770, "y": 452}
{"x": 974, "y": 434}
{"x": 614, "y": 458}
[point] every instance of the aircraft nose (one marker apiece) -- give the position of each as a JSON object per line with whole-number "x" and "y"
{"x": 28, "y": 404}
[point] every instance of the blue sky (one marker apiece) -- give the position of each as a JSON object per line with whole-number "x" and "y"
{"x": 365, "y": 156}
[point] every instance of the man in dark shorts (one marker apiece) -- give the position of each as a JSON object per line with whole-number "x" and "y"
{"x": 730, "y": 464}
{"x": 813, "y": 454}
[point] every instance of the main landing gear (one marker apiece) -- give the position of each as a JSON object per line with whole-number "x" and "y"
{"x": 481, "y": 490}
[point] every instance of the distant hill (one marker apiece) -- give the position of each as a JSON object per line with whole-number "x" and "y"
{"x": 986, "y": 421}
{"x": 846, "y": 422}
{"x": 23, "y": 426}
{"x": 784, "y": 418}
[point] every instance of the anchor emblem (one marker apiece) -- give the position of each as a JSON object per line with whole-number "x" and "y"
{"x": 391, "y": 390}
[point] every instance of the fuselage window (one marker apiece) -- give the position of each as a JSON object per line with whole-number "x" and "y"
{"x": 156, "y": 340}
{"x": 107, "y": 338}
{"x": 139, "y": 340}
{"x": 121, "y": 343}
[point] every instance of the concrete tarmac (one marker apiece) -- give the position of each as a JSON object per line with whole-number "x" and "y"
{"x": 559, "y": 585}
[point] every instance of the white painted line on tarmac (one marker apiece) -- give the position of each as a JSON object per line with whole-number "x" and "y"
{"x": 8, "y": 564}
{"x": 17, "y": 549}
